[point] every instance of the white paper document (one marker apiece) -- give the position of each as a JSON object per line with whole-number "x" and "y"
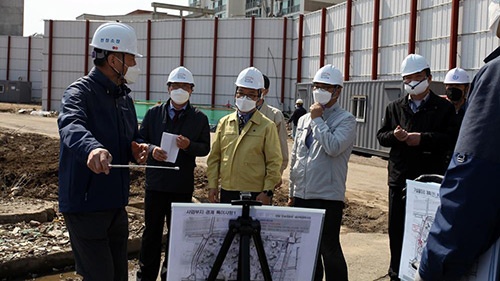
{"x": 290, "y": 239}
{"x": 422, "y": 201}
{"x": 169, "y": 145}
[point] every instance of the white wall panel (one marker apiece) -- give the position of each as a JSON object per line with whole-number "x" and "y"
{"x": 269, "y": 28}
{"x": 165, "y": 48}
{"x": 199, "y": 47}
{"x": 199, "y": 28}
{"x": 166, "y": 29}
{"x": 234, "y": 35}
{"x": 362, "y": 12}
{"x": 235, "y": 28}
{"x": 227, "y": 47}
{"x": 394, "y": 8}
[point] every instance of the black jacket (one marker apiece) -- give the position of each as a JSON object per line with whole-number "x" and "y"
{"x": 299, "y": 111}
{"x": 437, "y": 123}
{"x": 95, "y": 113}
{"x": 192, "y": 124}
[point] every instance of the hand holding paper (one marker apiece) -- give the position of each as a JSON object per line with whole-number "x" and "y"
{"x": 169, "y": 145}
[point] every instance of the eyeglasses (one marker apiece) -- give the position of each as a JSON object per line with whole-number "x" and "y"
{"x": 250, "y": 95}
{"x": 328, "y": 88}
{"x": 414, "y": 77}
{"x": 185, "y": 87}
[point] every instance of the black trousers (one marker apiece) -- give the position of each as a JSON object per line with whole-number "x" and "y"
{"x": 397, "y": 210}
{"x": 157, "y": 209}
{"x": 99, "y": 244}
{"x": 330, "y": 256}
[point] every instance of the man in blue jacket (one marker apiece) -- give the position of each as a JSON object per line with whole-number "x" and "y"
{"x": 163, "y": 187}
{"x": 97, "y": 127}
{"x": 468, "y": 221}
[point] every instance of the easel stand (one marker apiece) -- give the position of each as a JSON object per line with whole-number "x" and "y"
{"x": 246, "y": 227}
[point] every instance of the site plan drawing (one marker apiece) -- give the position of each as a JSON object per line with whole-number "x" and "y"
{"x": 422, "y": 201}
{"x": 290, "y": 238}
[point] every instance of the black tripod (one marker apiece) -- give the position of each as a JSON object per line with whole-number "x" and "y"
{"x": 246, "y": 227}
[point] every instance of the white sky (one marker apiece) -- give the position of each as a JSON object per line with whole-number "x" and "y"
{"x": 36, "y": 11}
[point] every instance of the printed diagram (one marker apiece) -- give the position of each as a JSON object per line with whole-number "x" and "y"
{"x": 422, "y": 231}
{"x": 207, "y": 236}
{"x": 424, "y": 210}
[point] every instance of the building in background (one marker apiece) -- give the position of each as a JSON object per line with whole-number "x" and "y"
{"x": 160, "y": 11}
{"x": 262, "y": 8}
{"x": 137, "y": 15}
{"x": 11, "y": 21}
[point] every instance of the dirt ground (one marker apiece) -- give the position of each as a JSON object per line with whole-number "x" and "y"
{"x": 29, "y": 172}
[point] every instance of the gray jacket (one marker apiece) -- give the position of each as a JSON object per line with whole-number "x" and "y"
{"x": 320, "y": 172}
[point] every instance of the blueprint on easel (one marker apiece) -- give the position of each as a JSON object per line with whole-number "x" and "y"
{"x": 422, "y": 201}
{"x": 290, "y": 238}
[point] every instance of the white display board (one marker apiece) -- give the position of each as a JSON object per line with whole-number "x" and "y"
{"x": 422, "y": 201}
{"x": 290, "y": 238}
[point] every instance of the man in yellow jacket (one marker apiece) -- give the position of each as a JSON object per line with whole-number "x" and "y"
{"x": 245, "y": 154}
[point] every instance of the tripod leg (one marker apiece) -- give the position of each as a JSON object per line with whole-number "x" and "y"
{"x": 259, "y": 246}
{"x": 222, "y": 254}
{"x": 244, "y": 258}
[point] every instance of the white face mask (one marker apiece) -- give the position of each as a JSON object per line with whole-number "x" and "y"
{"x": 179, "y": 96}
{"x": 416, "y": 87}
{"x": 322, "y": 96}
{"x": 132, "y": 74}
{"x": 245, "y": 104}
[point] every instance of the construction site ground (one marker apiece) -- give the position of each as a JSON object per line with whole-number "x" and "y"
{"x": 34, "y": 243}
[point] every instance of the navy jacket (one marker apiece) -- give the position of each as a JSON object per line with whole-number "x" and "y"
{"x": 468, "y": 221}
{"x": 95, "y": 113}
{"x": 192, "y": 124}
{"x": 437, "y": 123}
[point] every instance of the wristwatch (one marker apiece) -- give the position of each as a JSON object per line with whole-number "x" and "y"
{"x": 269, "y": 193}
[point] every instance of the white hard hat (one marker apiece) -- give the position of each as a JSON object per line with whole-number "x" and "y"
{"x": 251, "y": 78}
{"x": 116, "y": 37}
{"x": 180, "y": 75}
{"x": 328, "y": 74}
{"x": 299, "y": 101}
{"x": 457, "y": 76}
{"x": 413, "y": 63}
{"x": 494, "y": 16}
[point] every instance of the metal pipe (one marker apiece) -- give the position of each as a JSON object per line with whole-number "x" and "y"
{"x": 322, "y": 37}
{"x": 49, "y": 68}
{"x": 299, "y": 48}
{"x": 143, "y": 166}
{"x": 347, "y": 51}
{"x": 183, "y": 39}
{"x": 87, "y": 48}
{"x": 252, "y": 39}
{"x": 283, "y": 61}
{"x": 8, "y": 58}
{"x": 376, "y": 27}
{"x": 455, "y": 6}
{"x": 214, "y": 60}
{"x": 28, "y": 77}
{"x": 148, "y": 62}
{"x": 413, "y": 27}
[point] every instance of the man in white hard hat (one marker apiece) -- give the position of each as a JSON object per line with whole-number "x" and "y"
{"x": 277, "y": 117}
{"x": 164, "y": 186}
{"x": 420, "y": 128}
{"x": 297, "y": 113}
{"x": 457, "y": 83}
{"x": 246, "y": 154}
{"x": 319, "y": 158}
{"x": 98, "y": 127}
{"x": 467, "y": 223}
